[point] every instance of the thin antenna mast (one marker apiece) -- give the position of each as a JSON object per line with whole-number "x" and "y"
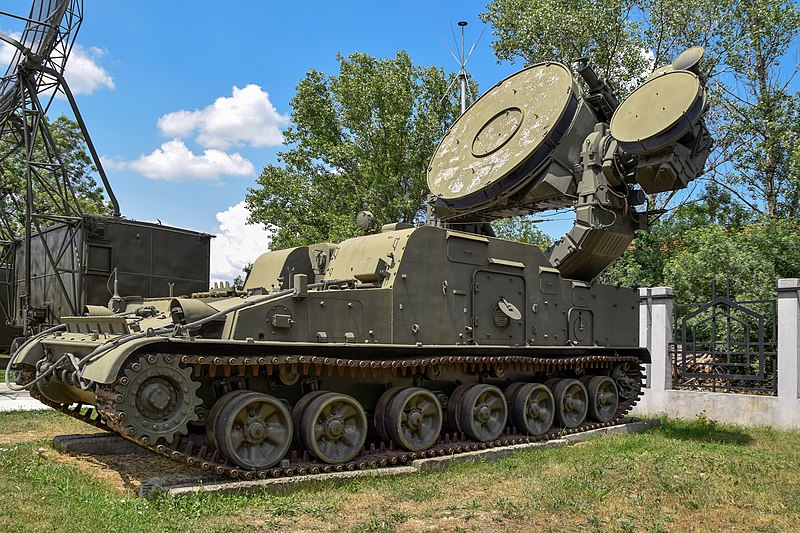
{"x": 462, "y": 74}
{"x": 462, "y": 58}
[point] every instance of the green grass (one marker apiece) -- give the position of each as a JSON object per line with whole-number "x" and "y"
{"x": 3, "y": 376}
{"x": 696, "y": 476}
{"x": 15, "y": 426}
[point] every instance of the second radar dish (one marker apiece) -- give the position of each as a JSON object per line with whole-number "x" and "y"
{"x": 492, "y": 148}
{"x": 659, "y": 112}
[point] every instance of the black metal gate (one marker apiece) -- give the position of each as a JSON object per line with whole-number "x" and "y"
{"x": 725, "y": 345}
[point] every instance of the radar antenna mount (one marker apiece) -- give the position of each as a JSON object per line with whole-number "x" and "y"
{"x": 537, "y": 141}
{"x": 35, "y": 76}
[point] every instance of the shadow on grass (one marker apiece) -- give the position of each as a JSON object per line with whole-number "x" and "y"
{"x": 703, "y": 430}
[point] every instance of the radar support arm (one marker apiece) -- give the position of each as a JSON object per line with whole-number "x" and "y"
{"x": 605, "y": 217}
{"x": 602, "y": 98}
{"x": 18, "y": 45}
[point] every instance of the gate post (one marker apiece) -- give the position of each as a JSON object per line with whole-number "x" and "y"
{"x": 789, "y": 340}
{"x": 655, "y": 334}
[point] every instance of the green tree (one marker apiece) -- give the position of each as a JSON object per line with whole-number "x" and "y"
{"x": 713, "y": 238}
{"x": 644, "y": 263}
{"x": 752, "y": 258}
{"x": 361, "y": 139}
{"x": 522, "y": 229}
{"x": 546, "y": 30}
{"x": 760, "y": 127}
{"x": 49, "y": 195}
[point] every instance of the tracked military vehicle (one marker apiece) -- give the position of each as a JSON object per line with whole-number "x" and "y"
{"x": 412, "y": 341}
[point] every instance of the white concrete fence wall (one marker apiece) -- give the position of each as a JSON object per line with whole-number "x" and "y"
{"x": 655, "y": 333}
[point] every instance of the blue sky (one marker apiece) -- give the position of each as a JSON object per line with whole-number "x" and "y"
{"x": 144, "y": 60}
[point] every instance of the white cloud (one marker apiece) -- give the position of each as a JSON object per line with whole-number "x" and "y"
{"x": 109, "y": 162}
{"x": 175, "y": 162}
{"x": 83, "y": 71}
{"x": 246, "y": 118}
{"x": 236, "y": 244}
{"x": 6, "y": 50}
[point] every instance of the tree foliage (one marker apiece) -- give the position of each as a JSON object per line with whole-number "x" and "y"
{"x": 360, "y": 139}
{"x": 545, "y": 30}
{"x": 714, "y": 238}
{"x": 49, "y": 195}
{"x": 522, "y": 229}
{"x": 760, "y": 130}
{"x": 751, "y": 258}
{"x": 645, "y": 261}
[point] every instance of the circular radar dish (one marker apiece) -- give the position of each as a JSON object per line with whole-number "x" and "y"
{"x": 503, "y": 136}
{"x": 659, "y": 112}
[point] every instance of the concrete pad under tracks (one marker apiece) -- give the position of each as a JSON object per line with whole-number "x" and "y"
{"x": 12, "y": 400}
{"x": 195, "y": 481}
{"x": 632, "y": 425}
{"x": 97, "y": 444}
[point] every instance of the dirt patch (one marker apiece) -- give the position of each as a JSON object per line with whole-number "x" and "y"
{"x": 124, "y": 472}
{"x": 43, "y": 433}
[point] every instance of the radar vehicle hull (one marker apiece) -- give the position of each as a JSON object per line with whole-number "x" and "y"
{"x": 486, "y": 345}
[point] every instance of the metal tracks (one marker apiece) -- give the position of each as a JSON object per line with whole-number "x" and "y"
{"x": 84, "y": 413}
{"x": 379, "y": 454}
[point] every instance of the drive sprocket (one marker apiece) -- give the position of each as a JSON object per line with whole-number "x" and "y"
{"x": 156, "y": 398}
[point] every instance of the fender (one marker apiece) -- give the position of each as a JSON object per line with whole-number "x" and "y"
{"x": 106, "y": 367}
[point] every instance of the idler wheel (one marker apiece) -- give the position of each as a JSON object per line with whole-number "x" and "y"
{"x": 412, "y": 418}
{"x": 571, "y": 401}
{"x": 627, "y": 377}
{"x": 333, "y": 427}
{"x": 481, "y": 413}
{"x": 603, "y": 398}
{"x": 253, "y": 430}
{"x": 531, "y": 407}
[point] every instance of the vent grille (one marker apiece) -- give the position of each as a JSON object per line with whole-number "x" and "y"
{"x": 501, "y": 320}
